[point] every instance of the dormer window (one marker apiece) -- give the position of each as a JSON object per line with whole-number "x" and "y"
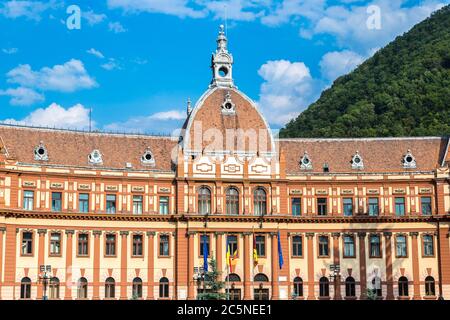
{"x": 409, "y": 162}
{"x": 357, "y": 161}
{"x": 228, "y": 107}
{"x": 326, "y": 168}
{"x": 40, "y": 152}
{"x": 305, "y": 162}
{"x": 95, "y": 157}
{"x": 147, "y": 158}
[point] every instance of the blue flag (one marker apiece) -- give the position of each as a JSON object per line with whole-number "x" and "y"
{"x": 280, "y": 252}
{"x": 205, "y": 254}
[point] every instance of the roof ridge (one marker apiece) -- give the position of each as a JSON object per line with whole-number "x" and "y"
{"x": 360, "y": 139}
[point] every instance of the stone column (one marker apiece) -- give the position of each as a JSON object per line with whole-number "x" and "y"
{"x": 190, "y": 280}
{"x": 247, "y": 273}
{"x": 69, "y": 257}
{"x": 219, "y": 258}
{"x": 362, "y": 265}
{"x": 336, "y": 260}
{"x": 275, "y": 266}
{"x": 41, "y": 260}
{"x": 96, "y": 267}
{"x": 150, "y": 265}
{"x": 2, "y": 231}
{"x": 311, "y": 278}
{"x": 389, "y": 271}
{"x": 123, "y": 264}
{"x": 415, "y": 265}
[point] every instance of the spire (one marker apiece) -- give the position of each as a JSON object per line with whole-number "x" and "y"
{"x": 222, "y": 62}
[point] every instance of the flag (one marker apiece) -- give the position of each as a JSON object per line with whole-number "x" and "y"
{"x": 205, "y": 254}
{"x": 230, "y": 257}
{"x": 280, "y": 252}
{"x": 255, "y": 252}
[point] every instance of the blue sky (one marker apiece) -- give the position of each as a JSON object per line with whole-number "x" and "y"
{"x": 136, "y": 62}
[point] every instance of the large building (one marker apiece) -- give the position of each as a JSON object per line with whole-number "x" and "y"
{"x": 125, "y": 216}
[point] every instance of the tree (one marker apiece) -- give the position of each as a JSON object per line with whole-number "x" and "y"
{"x": 211, "y": 284}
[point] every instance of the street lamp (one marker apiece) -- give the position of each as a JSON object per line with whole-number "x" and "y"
{"x": 43, "y": 277}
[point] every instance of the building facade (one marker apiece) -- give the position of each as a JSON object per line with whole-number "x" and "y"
{"x": 125, "y": 216}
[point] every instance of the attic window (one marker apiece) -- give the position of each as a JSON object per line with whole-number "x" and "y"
{"x": 326, "y": 168}
{"x": 147, "y": 158}
{"x": 40, "y": 152}
{"x": 409, "y": 162}
{"x": 305, "y": 162}
{"x": 95, "y": 157}
{"x": 228, "y": 107}
{"x": 357, "y": 161}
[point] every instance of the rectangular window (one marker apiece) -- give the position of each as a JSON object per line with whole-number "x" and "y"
{"x": 137, "y": 245}
{"x": 297, "y": 246}
{"x": 164, "y": 245}
{"x": 110, "y": 246}
{"x": 260, "y": 245}
{"x": 373, "y": 207}
{"x": 349, "y": 246}
{"x": 324, "y": 249}
{"x": 296, "y": 207}
{"x": 137, "y": 204}
{"x": 55, "y": 243}
{"x": 322, "y": 206}
{"x": 83, "y": 202}
{"x": 232, "y": 243}
{"x": 83, "y": 244}
{"x": 375, "y": 246}
{"x": 428, "y": 245}
{"x": 204, "y": 238}
{"x": 28, "y": 200}
{"x": 27, "y": 243}
{"x": 348, "y": 207}
{"x": 56, "y": 201}
{"x": 426, "y": 205}
{"x": 400, "y": 206}
{"x": 400, "y": 246}
{"x": 164, "y": 205}
{"x": 111, "y": 203}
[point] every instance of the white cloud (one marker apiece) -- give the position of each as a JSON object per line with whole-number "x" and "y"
{"x": 10, "y": 50}
{"x": 178, "y": 8}
{"x": 238, "y": 10}
{"x": 76, "y": 117}
{"x": 288, "y": 89}
{"x": 68, "y": 77}
{"x": 116, "y": 27}
{"x": 93, "y": 18}
{"x": 338, "y": 63}
{"x": 31, "y": 10}
{"x": 96, "y": 53}
{"x": 112, "y": 64}
{"x": 22, "y": 96}
{"x": 160, "y": 122}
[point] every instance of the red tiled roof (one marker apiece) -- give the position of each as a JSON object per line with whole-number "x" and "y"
{"x": 71, "y": 148}
{"x": 378, "y": 154}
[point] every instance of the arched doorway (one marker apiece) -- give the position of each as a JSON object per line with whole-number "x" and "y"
{"x": 260, "y": 292}
{"x": 231, "y": 280}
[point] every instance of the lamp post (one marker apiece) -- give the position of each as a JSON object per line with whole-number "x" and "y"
{"x": 44, "y": 277}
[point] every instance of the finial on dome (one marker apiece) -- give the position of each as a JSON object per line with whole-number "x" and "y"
{"x": 222, "y": 62}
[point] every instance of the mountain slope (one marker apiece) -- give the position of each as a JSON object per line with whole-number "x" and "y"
{"x": 403, "y": 90}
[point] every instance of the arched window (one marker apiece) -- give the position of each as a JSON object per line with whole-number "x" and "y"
{"x": 429, "y": 286}
{"x": 54, "y": 288}
{"x": 82, "y": 288}
{"x": 233, "y": 277}
{"x": 350, "y": 287}
{"x": 110, "y": 288}
{"x": 204, "y": 200}
{"x": 137, "y": 288}
{"x": 232, "y": 201}
{"x": 324, "y": 287}
{"x": 25, "y": 288}
{"x": 376, "y": 287}
{"x": 261, "y": 277}
{"x": 403, "y": 287}
{"x": 164, "y": 287}
{"x": 298, "y": 287}
{"x": 260, "y": 201}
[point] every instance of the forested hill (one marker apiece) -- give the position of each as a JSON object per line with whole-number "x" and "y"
{"x": 403, "y": 90}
